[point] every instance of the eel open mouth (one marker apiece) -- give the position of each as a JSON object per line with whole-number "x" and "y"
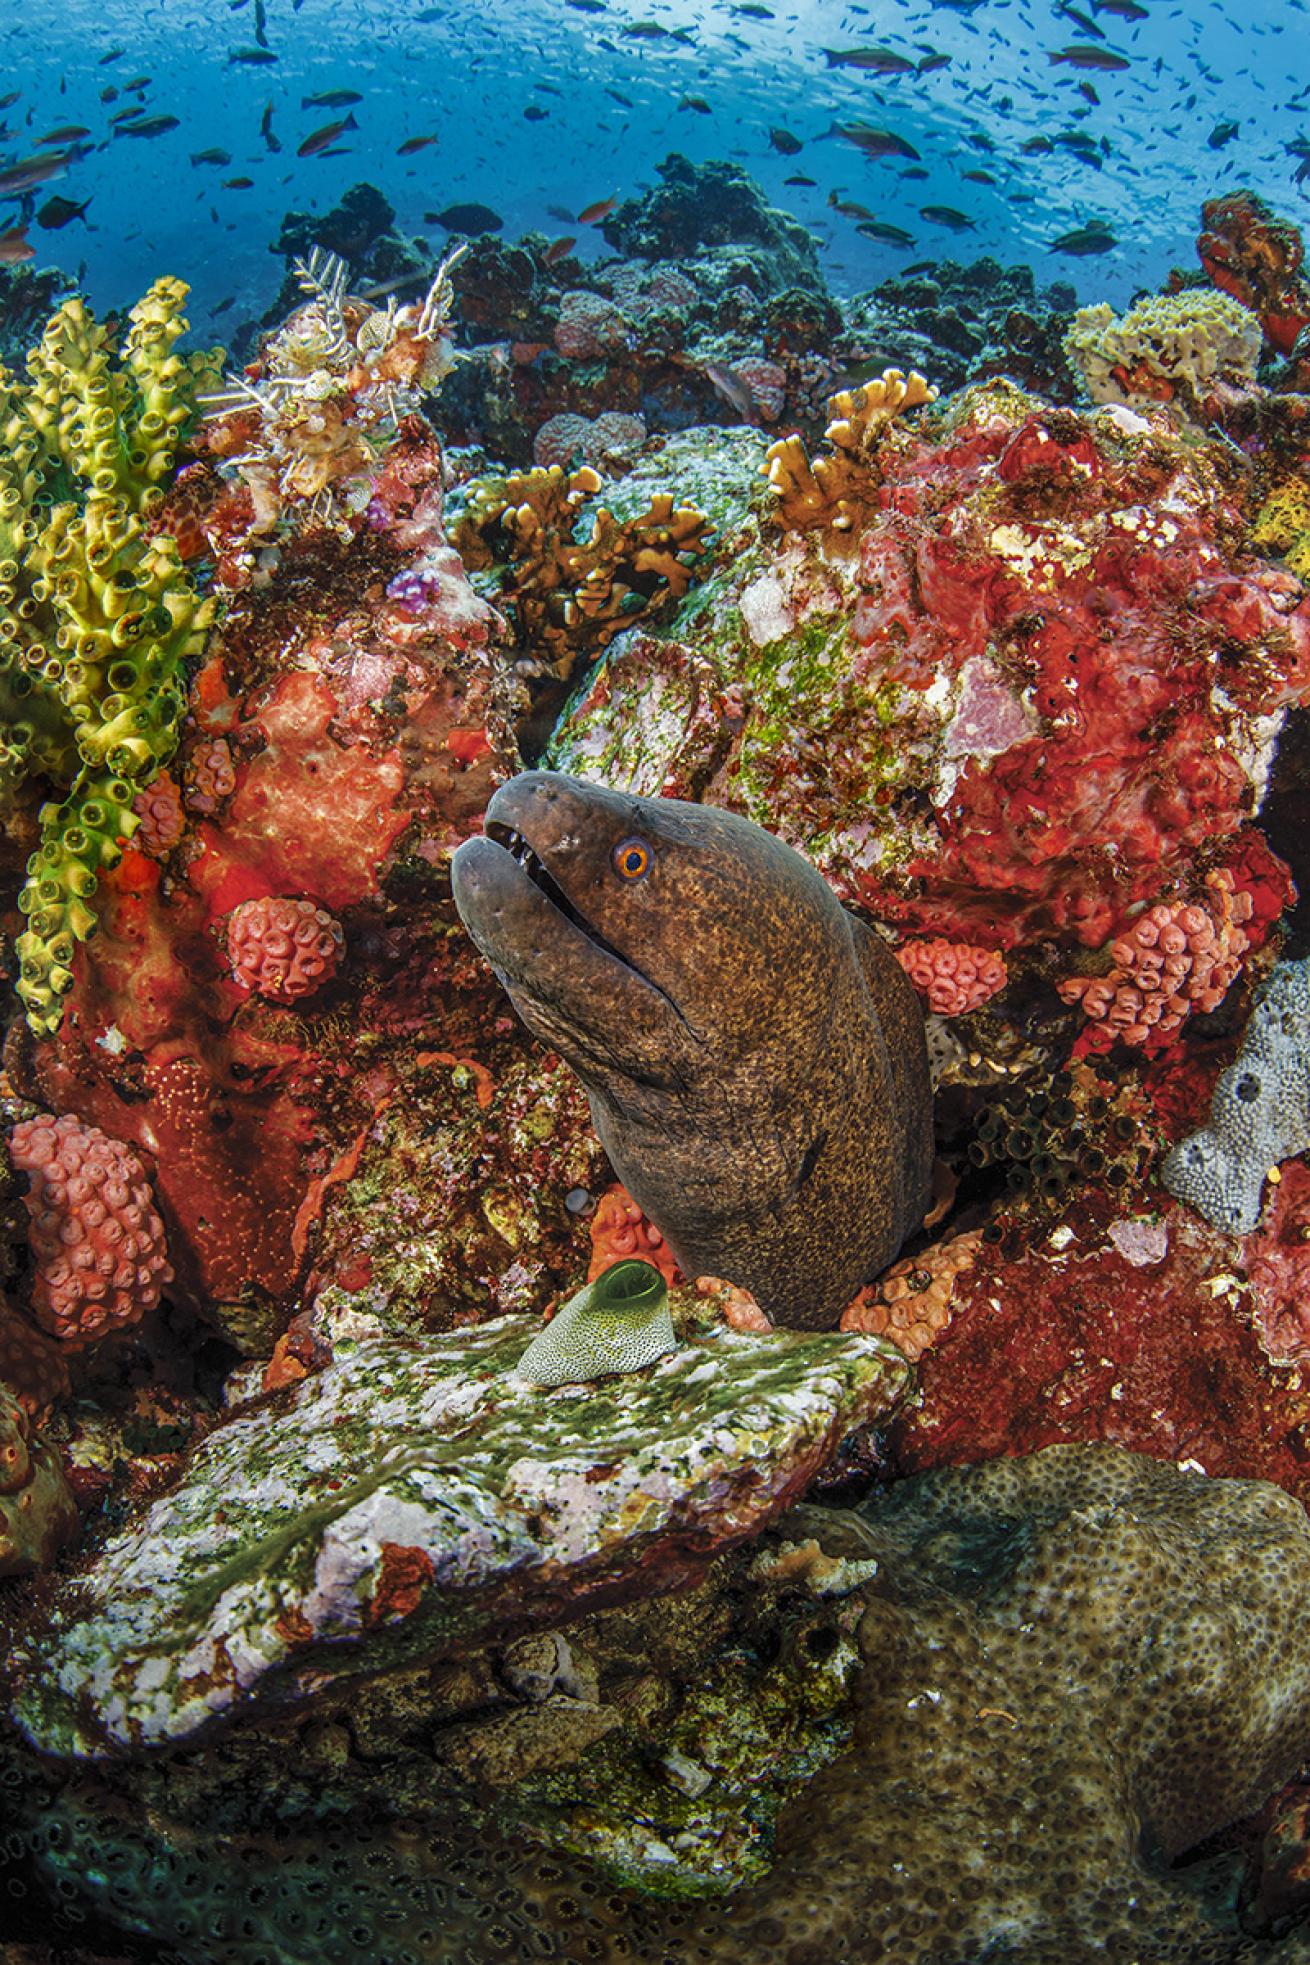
{"x": 539, "y": 874}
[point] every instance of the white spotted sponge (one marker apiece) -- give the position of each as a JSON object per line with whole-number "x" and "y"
{"x": 620, "y": 1322}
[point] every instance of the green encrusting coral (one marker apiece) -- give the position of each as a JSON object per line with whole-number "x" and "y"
{"x": 98, "y": 617}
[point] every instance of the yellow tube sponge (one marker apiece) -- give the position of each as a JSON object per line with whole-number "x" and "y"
{"x": 97, "y": 619}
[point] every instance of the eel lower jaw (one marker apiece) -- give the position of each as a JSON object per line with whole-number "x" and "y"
{"x": 521, "y": 850}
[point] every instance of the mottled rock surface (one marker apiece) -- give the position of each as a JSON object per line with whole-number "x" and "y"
{"x": 412, "y": 1496}
{"x": 1068, "y": 1670}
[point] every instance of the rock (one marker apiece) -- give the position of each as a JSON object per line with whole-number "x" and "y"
{"x": 1066, "y": 1671}
{"x": 409, "y": 1497}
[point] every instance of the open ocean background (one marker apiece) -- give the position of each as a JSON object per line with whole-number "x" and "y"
{"x": 464, "y": 72}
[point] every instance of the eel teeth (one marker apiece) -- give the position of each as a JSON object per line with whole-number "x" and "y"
{"x": 518, "y": 848}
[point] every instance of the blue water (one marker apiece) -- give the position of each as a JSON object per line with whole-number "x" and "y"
{"x": 466, "y": 71}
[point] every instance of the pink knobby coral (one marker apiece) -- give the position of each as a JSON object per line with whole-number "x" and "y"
{"x": 561, "y": 440}
{"x": 283, "y": 949}
{"x": 1178, "y": 957}
{"x": 159, "y": 808}
{"x": 210, "y": 775}
{"x": 600, "y": 440}
{"x": 32, "y": 1367}
{"x": 101, "y": 1257}
{"x": 767, "y": 383}
{"x": 953, "y": 976}
{"x": 619, "y": 1229}
{"x": 913, "y": 1303}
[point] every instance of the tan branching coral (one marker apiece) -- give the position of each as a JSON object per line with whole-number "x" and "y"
{"x": 569, "y": 597}
{"x": 833, "y": 491}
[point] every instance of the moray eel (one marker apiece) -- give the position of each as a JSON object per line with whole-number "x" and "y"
{"x": 753, "y": 1054}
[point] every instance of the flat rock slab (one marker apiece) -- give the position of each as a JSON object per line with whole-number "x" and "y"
{"x": 414, "y": 1496}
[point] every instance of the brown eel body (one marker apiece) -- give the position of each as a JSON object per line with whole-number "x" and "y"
{"x": 753, "y": 1054}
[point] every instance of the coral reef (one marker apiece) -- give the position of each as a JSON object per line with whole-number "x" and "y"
{"x": 1260, "y": 1113}
{"x": 930, "y": 1693}
{"x": 963, "y": 324}
{"x": 713, "y": 205}
{"x": 992, "y": 714}
{"x": 486, "y": 1636}
{"x": 37, "y": 1512}
{"x": 341, "y": 736}
{"x": 406, "y": 1499}
{"x": 1168, "y": 348}
{"x": 305, "y": 424}
{"x": 1250, "y": 253}
{"x": 98, "y": 619}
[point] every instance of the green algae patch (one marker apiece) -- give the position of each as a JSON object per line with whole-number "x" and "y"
{"x": 415, "y": 1496}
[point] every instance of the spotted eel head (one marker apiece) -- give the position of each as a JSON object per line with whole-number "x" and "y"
{"x": 646, "y": 937}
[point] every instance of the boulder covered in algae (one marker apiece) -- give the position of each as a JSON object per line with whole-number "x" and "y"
{"x": 410, "y": 1497}
{"x": 1065, "y": 1672}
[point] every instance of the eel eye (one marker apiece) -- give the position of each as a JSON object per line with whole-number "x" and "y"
{"x": 632, "y": 858}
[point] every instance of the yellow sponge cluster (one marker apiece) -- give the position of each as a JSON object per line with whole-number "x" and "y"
{"x": 1169, "y": 348}
{"x": 97, "y": 617}
{"x": 1283, "y": 525}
